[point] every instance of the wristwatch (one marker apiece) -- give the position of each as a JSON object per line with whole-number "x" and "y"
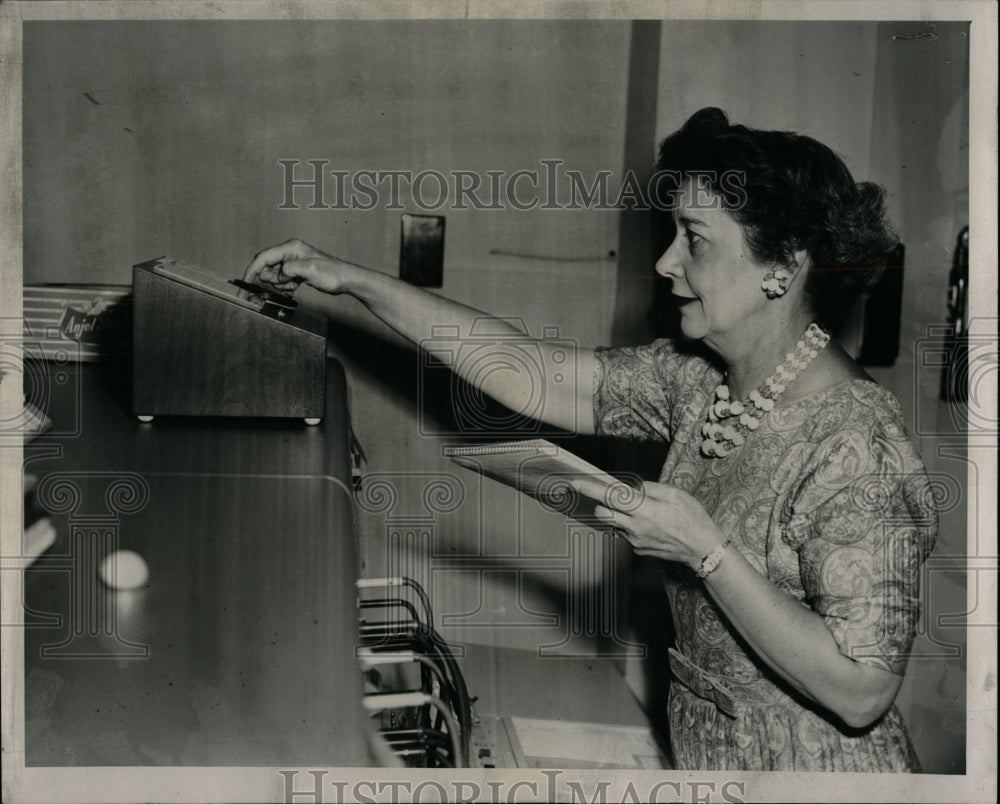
{"x": 712, "y": 560}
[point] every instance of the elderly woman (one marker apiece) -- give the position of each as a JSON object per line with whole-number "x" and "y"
{"x": 792, "y": 513}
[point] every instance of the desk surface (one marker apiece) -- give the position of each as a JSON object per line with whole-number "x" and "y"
{"x": 239, "y": 648}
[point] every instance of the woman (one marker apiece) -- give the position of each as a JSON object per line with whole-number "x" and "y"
{"x": 792, "y": 513}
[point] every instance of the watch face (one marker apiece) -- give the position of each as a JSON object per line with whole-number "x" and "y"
{"x": 713, "y": 559}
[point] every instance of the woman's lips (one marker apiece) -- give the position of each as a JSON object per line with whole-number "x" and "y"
{"x": 682, "y": 300}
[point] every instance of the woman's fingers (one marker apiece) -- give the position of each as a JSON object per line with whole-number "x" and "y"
{"x": 618, "y": 497}
{"x": 288, "y": 273}
{"x": 264, "y": 264}
{"x": 616, "y": 519}
{"x": 662, "y": 492}
{"x": 285, "y": 287}
{"x": 604, "y": 514}
{"x": 276, "y": 264}
{"x": 588, "y": 487}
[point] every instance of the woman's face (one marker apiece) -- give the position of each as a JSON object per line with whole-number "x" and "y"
{"x": 716, "y": 279}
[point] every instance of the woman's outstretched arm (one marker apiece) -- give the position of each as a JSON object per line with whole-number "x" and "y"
{"x": 563, "y": 398}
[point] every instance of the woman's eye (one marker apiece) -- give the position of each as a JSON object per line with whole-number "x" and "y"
{"x": 692, "y": 240}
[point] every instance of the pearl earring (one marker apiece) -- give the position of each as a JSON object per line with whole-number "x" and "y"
{"x": 775, "y": 283}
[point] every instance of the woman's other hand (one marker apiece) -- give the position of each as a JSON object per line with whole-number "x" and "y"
{"x": 293, "y": 262}
{"x": 666, "y": 523}
{"x": 792, "y": 639}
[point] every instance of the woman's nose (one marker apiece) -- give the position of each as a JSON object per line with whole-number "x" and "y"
{"x": 669, "y": 265}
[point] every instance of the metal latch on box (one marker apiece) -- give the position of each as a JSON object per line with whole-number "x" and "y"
{"x": 274, "y": 304}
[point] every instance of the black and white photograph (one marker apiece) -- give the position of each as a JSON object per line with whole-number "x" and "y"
{"x": 455, "y": 401}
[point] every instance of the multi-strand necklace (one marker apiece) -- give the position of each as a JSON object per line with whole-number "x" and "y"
{"x": 731, "y": 420}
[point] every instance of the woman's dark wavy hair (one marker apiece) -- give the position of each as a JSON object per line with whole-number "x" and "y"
{"x": 789, "y": 193}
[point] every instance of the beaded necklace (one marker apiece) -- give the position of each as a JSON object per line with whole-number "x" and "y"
{"x": 730, "y": 421}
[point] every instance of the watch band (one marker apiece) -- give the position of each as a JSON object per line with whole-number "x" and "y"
{"x": 712, "y": 560}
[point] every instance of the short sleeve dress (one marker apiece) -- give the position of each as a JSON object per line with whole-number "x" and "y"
{"x": 829, "y": 500}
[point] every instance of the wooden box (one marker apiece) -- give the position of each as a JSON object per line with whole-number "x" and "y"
{"x": 206, "y": 347}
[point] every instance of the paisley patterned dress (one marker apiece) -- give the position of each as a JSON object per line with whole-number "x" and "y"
{"x": 829, "y": 500}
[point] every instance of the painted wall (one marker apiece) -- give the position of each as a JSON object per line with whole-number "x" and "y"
{"x": 919, "y": 152}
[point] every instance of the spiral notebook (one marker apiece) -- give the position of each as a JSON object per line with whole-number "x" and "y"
{"x": 543, "y": 470}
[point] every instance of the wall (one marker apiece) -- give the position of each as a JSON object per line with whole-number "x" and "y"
{"x": 177, "y": 145}
{"x": 919, "y": 152}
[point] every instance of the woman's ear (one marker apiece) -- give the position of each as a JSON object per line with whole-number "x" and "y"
{"x": 781, "y": 276}
{"x": 799, "y": 262}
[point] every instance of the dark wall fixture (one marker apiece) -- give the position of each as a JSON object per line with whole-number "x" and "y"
{"x": 421, "y": 253}
{"x": 955, "y": 372}
{"x": 883, "y": 313}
